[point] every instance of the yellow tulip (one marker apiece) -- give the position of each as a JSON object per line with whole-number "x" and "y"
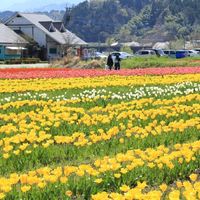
{"x": 68, "y": 193}
{"x": 99, "y": 180}
{"x": 124, "y": 188}
{"x": 25, "y": 188}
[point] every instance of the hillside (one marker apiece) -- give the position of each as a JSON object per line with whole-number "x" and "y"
{"x": 5, "y": 15}
{"x": 125, "y": 20}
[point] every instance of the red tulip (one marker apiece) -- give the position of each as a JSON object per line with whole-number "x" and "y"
{"x": 70, "y": 73}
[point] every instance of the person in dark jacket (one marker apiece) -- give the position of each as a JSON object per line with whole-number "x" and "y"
{"x": 117, "y": 62}
{"x": 110, "y": 62}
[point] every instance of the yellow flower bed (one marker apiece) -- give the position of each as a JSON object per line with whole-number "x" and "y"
{"x": 90, "y": 145}
{"x": 122, "y": 163}
{"x": 71, "y": 83}
{"x": 36, "y": 134}
{"x": 189, "y": 190}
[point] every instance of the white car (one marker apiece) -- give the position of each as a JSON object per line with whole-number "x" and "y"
{"x": 100, "y": 55}
{"x": 198, "y": 50}
{"x": 122, "y": 55}
{"x": 193, "y": 53}
{"x": 146, "y": 53}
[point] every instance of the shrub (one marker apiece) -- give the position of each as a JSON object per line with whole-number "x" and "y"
{"x": 23, "y": 61}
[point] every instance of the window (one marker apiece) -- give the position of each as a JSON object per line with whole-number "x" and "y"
{"x": 52, "y": 28}
{"x": 166, "y": 52}
{"x": 152, "y": 52}
{"x": 62, "y": 29}
{"x": 144, "y": 53}
{"x": 53, "y": 50}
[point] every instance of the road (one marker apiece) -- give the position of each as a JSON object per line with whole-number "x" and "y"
{"x": 40, "y": 65}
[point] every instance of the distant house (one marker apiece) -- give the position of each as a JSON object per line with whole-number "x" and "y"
{"x": 11, "y": 44}
{"x": 49, "y": 34}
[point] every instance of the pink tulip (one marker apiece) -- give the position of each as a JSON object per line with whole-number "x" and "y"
{"x": 70, "y": 73}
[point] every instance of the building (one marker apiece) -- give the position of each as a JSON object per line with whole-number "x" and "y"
{"x": 49, "y": 34}
{"x": 11, "y": 44}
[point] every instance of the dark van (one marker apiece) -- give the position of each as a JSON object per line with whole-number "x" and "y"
{"x": 182, "y": 54}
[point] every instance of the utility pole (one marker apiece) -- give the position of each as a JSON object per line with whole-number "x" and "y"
{"x": 67, "y": 15}
{"x": 184, "y": 42}
{"x": 98, "y": 43}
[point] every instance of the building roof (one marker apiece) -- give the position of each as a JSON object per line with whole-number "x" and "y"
{"x": 8, "y": 36}
{"x": 132, "y": 44}
{"x": 58, "y": 25}
{"x": 71, "y": 38}
{"x": 161, "y": 45}
{"x": 44, "y": 23}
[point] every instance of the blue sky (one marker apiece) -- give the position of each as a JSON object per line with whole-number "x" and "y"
{"x": 8, "y": 3}
{"x": 5, "y": 4}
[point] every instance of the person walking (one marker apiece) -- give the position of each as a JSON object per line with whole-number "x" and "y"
{"x": 110, "y": 62}
{"x": 117, "y": 62}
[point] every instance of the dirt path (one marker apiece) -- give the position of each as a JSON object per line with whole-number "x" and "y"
{"x": 40, "y": 65}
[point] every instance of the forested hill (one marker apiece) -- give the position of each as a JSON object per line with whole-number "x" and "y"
{"x": 126, "y": 20}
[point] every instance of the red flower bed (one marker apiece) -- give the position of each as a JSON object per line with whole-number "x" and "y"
{"x": 68, "y": 73}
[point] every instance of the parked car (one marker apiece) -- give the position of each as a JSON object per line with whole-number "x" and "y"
{"x": 99, "y": 55}
{"x": 122, "y": 55}
{"x": 125, "y": 55}
{"x": 182, "y": 54}
{"x": 170, "y": 53}
{"x": 146, "y": 53}
{"x": 193, "y": 53}
{"x": 198, "y": 50}
{"x": 159, "y": 52}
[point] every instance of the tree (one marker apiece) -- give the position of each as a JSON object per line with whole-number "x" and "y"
{"x": 126, "y": 49}
{"x": 127, "y": 19}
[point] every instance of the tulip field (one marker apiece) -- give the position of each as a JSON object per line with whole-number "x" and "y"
{"x": 100, "y": 135}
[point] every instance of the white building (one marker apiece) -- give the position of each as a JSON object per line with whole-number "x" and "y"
{"x": 48, "y": 33}
{"x": 11, "y": 44}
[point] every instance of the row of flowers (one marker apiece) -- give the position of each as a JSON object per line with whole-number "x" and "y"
{"x": 121, "y": 167}
{"x": 54, "y": 113}
{"x": 7, "y": 86}
{"x": 53, "y": 103}
{"x": 150, "y": 119}
{"x": 188, "y": 189}
{"x": 94, "y": 95}
{"x": 96, "y": 140}
{"x": 28, "y": 142}
{"x": 66, "y": 73}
